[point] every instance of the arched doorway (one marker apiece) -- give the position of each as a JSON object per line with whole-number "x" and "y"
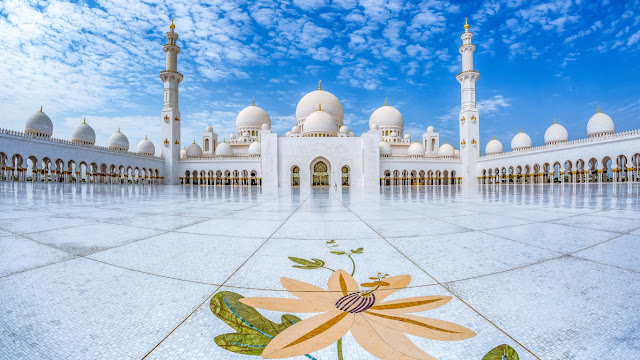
{"x": 320, "y": 174}
{"x": 345, "y": 176}
{"x": 295, "y": 176}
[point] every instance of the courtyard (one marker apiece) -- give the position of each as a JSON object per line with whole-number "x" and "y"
{"x": 129, "y": 271}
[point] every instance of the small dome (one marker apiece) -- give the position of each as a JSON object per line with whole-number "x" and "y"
{"x": 351, "y": 134}
{"x": 407, "y": 137}
{"x": 252, "y": 117}
{"x": 245, "y": 134}
{"x": 416, "y": 149}
{"x": 295, "y": 129}
{"x": 344, "y": 129}
{"x": 385, "y": 148}
{"x": 254, "y": 148}
{"x": 194, "y": 150}
{"x": 456, "y": 153}
{"x": 209, "y": 129}
{"x": 266, "y": 126}
{"x": 600, "y": 124}
{"x": 320, "y": 122}
{"x": 288, "y": 133}
{"x": 224, "y": 149}
{"x": 493, "y": 147}
{"x": 430, "y": 129}
{"x": 118, "y": 141}
{"x": 233, "y": 136}
{"x": 520, "y": 141}
{"x": 83, "y": 134}
{"x": 446, "y": 150}
{"x": 387, "y": 117}
{"x": 373, "y": 126}
{"x": 393, "y": 134}
{"x": 183, "y": 153}
{"x": 556, "y": 133}
{"x": 145, "y": 147}
{"x": 39, "y": 124}
{"x": 329, "y": 102}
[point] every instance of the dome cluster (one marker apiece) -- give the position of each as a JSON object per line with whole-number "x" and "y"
{"x": 326, "y": 100}
{"x": 599, "y": 125}
{"x": 39, "y": 124}
{"x": 252, "y": 118}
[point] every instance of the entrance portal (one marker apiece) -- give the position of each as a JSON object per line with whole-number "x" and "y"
{"x": 320, "y": 174}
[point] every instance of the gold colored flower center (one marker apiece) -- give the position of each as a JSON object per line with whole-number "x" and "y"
{"x": 356, "y": 302}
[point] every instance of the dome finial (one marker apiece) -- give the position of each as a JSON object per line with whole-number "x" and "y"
{"x": 172, "y": 26}
{"x": 194, "y": 141}
{"x": 466, "y": 24}
{"x": 319, "y": 107}
{"x": 445, "y": 141}
{"x": 494, "y": 137}
{"x": 118, "y": 129}
{"x": 145, "y": 137}
{"x": 319, "y": 84}
{"x": 598, "y": 109}
{"x": 253, "y": 101}
{"x": 41, "y": 108}
{"x": 84, "y": 121}
{"x": 385, "y": 102}
{"x": 555, "y": 121}
{"x": 520, "y": 129}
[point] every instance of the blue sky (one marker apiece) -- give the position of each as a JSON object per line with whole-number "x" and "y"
{"x": 538, "y": 60}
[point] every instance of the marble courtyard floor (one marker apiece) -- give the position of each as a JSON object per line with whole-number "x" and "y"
{"x": 129, "y": 272}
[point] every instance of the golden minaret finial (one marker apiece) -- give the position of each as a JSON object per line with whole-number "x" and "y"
{"x": 41, "y": 108}
{"x": 319, "y": 84}
{"x": 172, "y": 26}
{"x": 598, "y": 108}
{"x": 494, "y": 137}
{"x": 555, "y": 121}
{"x": 84, "y": 121}
{"x": 385, "y": 102}
{"x": 253, "y": 101}
{"x": 319, "y": 107}
{"x": 445, "y": 141}
{"x": 520, "y": 129}
{"x": 466, "y": 24}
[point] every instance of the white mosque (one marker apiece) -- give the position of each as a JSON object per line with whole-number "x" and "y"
{"x": 320, "y": 150}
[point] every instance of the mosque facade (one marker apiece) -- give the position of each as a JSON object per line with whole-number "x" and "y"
{"x": 320, "y": 150}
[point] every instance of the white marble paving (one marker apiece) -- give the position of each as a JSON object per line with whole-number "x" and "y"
{"x": 117, "y": 271}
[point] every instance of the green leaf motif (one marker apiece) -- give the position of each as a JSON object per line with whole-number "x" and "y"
{"x": 498, "y": 352}
{"x": 253, "y": 331}
{"x": 357, "y": 251}
{"x": 307, "y": 264}
{"x": 338, "y": 252}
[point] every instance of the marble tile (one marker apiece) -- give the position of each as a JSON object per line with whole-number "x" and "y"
{"x": 19, "y": 254}
{"x": 622, "y": 251}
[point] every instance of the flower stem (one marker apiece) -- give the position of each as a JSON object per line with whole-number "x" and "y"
{"x": 328, "y": 268}
{"x": 354, "y": 264}
{"x": 340, "y": 349}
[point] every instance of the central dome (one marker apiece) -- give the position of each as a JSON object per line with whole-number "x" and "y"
{"x": 329, "y": 102}
{"x": 252, "y": 117}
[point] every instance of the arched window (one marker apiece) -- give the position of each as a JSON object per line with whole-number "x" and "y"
{"x": 345, "y": 176}
{"x": 295, "y": 176}
{"x": 433, "y": 144}
{"x": 206, "y": 144}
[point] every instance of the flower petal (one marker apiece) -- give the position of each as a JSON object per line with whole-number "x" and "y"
{"x": 414, "y": 304}
{"x": 306, "y": 291}
{"x": 309, "y": 335}
{"x": 385, "y": 343}
{"x": 288, "y": 305}
{"x": 420, "y": 326}
{"x": 395, "y": 283}
{"x": 341, "y": 284}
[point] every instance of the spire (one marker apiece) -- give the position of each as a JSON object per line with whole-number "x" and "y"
{"x": 253, "y": 101}
{"x": 385, "y": 102}
{"x": 145, "y": 137}
{"x": 194, "y": 141}
{"x": 319, "y": 84}
{"x": 466, "y": 24}
{"x": 172, "y": 26}
{"x": 41, "y": 108}
{"x": 555, "y": 121}
{"x": 84, "y": 121}
{"x": 520, "y": 129}
{"x": 118, "y": 129}
{"x": 494, "y": 137}
{"x": 319, "y": 107}
{"x": 598, "y": 108}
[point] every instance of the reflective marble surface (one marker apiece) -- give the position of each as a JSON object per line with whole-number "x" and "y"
{"x": 127, "y": 272}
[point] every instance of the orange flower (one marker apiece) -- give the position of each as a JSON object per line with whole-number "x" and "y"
{"x": 377, "y": 326}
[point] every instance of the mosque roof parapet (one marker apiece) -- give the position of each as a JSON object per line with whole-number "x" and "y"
{"x": 414, "y": 158}
{"x": 577, "y": 142}
{"x": 222, "y": 158}
{"x": 71, "y": 143}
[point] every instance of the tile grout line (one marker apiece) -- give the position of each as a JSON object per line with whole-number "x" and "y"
{"x": 442, "y": 285}
{"x": 223, "y": 284}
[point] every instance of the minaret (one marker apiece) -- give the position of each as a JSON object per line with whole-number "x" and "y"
{"x": 469, "y": 118}
{"x": 170, "y": 111}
